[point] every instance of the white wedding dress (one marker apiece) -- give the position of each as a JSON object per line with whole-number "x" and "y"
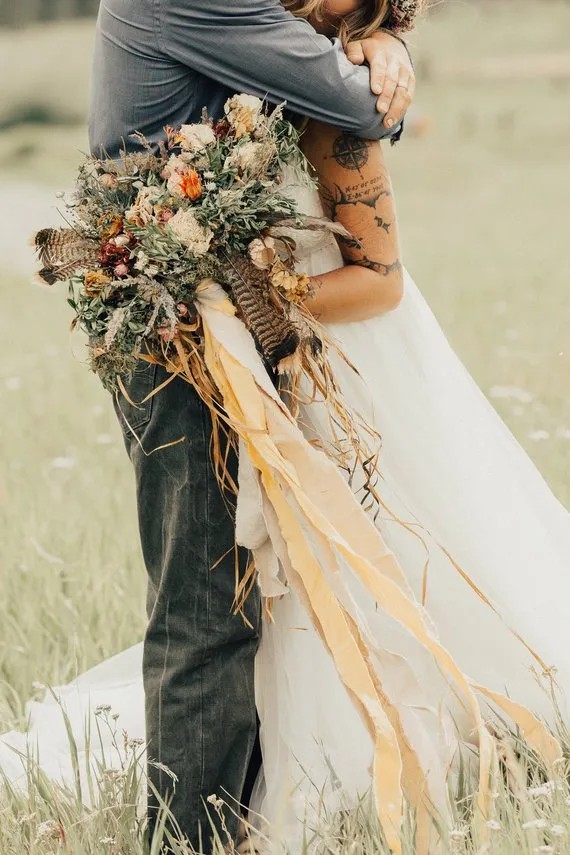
{"x": 452, "y": 471}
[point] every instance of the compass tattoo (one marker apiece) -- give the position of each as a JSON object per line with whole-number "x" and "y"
{"x": 350, "y": 152}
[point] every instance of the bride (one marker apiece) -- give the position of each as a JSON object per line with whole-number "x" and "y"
{"x": 481, "y": 547}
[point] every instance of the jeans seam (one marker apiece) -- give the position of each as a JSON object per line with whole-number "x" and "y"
{"x": 156, "y": 14}
{"x": 205, "y": 445}
{"x": 161, "y": 685}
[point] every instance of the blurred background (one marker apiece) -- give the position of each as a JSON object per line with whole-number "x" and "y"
{"x": 482, "y": 179}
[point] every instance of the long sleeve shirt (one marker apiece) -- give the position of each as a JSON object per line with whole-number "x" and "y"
{"x": 159, "y": 62}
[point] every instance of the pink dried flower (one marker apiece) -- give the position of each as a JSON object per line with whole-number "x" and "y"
{"x": 108, "y": 181}
{"x": 167, "y": 334}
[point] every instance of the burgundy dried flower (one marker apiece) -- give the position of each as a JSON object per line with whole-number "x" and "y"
{"x": 222, "y": 128}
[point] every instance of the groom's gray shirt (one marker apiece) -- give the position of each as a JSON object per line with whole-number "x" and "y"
{"x": 158, "y": 62}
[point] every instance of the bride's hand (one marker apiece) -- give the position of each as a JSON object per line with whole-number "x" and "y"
{"x": 392, "y": 75}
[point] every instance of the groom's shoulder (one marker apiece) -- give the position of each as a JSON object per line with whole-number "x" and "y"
{"x": 230, "y": 11}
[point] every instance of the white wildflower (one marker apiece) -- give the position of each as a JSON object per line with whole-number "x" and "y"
{"x": 215, "y": 801}
{"x": 211, "y": 185}
{"x": 544, "y": 790}
{"x": 104, "y": 439}
{"x": 209, "y": 175}
{"x": 513, "y": 393}
{"x": 538, "y": 435}
{"x": 195, "y": 138}
{"x": 494, "y": 825}
{"x": 458, "y": 833}
{"x": 534, "y": 823}
{"x": 63, "y": 463}
{"x": 188, "y": 230}
{"x": 243, "y": 113}
{"x": 46, "y": 831}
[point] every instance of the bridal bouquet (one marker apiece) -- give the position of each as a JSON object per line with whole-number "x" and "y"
{"x": 147, "y": 232}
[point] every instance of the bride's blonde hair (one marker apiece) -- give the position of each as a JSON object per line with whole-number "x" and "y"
{"x": 369, "y": 17}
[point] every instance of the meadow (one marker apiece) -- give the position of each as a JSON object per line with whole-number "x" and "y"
{"x": 482, "y": 188}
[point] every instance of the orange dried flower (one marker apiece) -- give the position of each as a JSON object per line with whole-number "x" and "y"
{"x": 94, "y": 281}
{"x": 191, "y": 185}
{"x": 110, "y": 224}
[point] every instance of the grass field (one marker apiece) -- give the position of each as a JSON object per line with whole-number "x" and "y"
{"x": 483, "y": 201}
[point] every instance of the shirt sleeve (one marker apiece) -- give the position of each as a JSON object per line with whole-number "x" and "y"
{"x": 258, "y": 47}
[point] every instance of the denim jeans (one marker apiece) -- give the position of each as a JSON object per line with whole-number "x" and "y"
{"x": 198, "y": 665}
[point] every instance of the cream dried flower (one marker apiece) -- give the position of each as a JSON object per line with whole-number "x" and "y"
{"x": 188, "y": 230}
{"x": 283, "y": 278}
{"x": 295, "y": 286}
{"x": 243, "y": 112}
{"x": 251, "y": 157}
{"x": 195, "y": 138}
{"x": 141, "y": 213}
{"x": 262, "y": 252}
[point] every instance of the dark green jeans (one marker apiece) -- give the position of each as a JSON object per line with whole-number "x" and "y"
{"x": 198, "y": 665}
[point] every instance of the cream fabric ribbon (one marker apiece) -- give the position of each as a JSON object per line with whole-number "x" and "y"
{"x": 307, "y": 530}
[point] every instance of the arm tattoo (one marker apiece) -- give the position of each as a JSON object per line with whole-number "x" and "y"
{"x": 380, "y": 267}
{"x": 350, "y": 152}
{"x": 367, "y": 194}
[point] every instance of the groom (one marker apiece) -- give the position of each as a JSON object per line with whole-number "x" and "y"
{"x": 157, "y": 63}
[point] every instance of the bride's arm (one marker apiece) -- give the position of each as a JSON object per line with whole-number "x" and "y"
{"x": 356, "y": 192}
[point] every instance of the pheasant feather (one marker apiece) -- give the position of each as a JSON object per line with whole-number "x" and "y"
{"x": 63, "y": 252}
{"x": 273, "y": 331}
